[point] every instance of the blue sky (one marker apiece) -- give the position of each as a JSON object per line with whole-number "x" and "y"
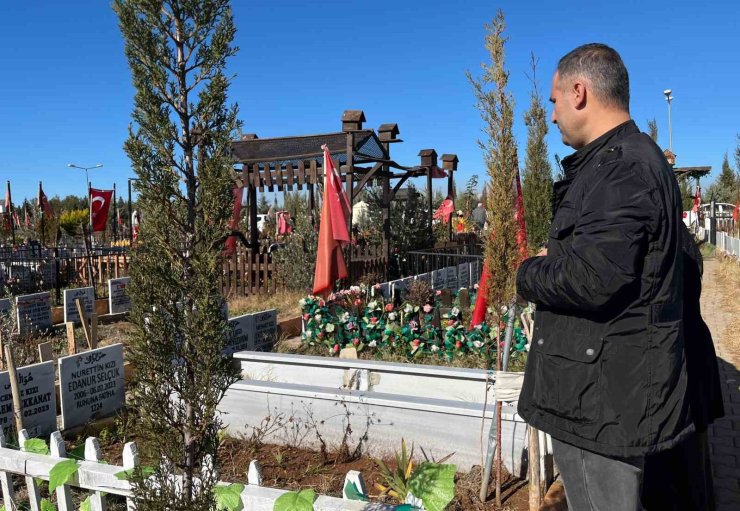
{"x": 66, "y": 93}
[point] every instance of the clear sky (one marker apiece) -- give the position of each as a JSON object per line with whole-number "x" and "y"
{"x": 66, "y": 94}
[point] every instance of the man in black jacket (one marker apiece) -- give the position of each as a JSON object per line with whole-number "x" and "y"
{"x": 606, "y": 375}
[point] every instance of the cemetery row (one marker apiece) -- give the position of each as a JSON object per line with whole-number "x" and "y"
{"x": 461, "y": 276}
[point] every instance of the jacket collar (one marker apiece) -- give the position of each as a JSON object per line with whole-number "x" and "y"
{"x": 574, "y": 162}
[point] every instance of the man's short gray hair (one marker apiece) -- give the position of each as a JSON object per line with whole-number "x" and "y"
{"x": 603, "y": 68}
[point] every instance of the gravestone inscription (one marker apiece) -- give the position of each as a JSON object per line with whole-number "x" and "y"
{"x": 38, "y": 399}
{"x": 33, "y": 312}
{"x": 118, "y": 299}
{"x": 265, "y": 329}
{"x": 86, "y": 294}
{"x": 241, "y": 335}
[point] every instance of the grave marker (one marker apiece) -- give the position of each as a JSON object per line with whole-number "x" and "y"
{"x": 463, "y": 275}
{"x": 86, "y": 294}
{"x": 439, "y": 279}
{"x": 451, "y": 281}
{"x": 118, "y": 299}
{"x": 38, "y": 399}
{"x": 265, "y": 329}
{"x": 6, "y": 307}
{"x": 91, "y": 384}
{"x": 425, "y": 277}
{"x": 241, "y": 335}
{"x": 33, "y": 312}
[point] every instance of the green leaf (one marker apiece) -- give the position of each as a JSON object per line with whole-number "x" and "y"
{"x": 229, "y": 498}
{"x": 36, "y": 446}
{"x": 353, "y": 493}
{"x": 62, "y": 473}
{"x": 125, "y": 475}
{"x": 46, "y": 505}
{"x": 434, "y": 484}
{"x": 78, "y": 452}
{"x": 295, "y": 501}
{"x": 86, "y": 505}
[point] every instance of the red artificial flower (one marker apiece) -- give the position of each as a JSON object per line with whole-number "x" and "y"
{"x": 320, "y": 335}
{"x": 356, "y": 341}
{"x": 373, "y": 320}
{"x": 450, "y": 322}
{"x": 306, "y": 316}
{"x": 458, "y": 345}
{"x": 358, "y": 302}
{"x": 336, "y": 348}
{"x": 389, "y": 307}
{"x": 417, "y": 342}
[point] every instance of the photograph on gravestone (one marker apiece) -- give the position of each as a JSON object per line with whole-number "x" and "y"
{"x": 38, "y": 399}
{"x": 91, "y": 385}
{"x": 118, "y": 299}
{"x": 33, "y": 312}
{"x": 439, "y": 279}
{"x": 265, "y": 329}
{"x": 451, "y": 281}
{"x": 241, "y": 335}
{"x": 463, "y": 275}
{"x": 86, "y": 294}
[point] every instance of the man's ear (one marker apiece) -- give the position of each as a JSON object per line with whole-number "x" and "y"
{"x": 579, "y": 95}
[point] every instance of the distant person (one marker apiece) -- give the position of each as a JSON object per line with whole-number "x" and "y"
{"x": 479, "y": 216}
{"x": 606, "y": 375}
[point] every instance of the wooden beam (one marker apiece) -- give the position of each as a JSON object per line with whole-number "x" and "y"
{"x": 369, "y": 175}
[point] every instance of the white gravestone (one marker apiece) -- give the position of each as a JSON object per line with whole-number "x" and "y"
{"x": 241, "y": 335}
{"x": 38, "y": 399}
{"x": 425, "y": 277}
{"x": 118, "y": 299}
{"x": 451, "y": 281}
{"x": 265, "y": 329}
{"x": 91, "y": 385}
{"x": 6, "y": 307}
{"x": 33, "y": 312}
{"x": 86, "y": 294}
{"x": 439, "y": 279}
{"x": 463, "y": 275}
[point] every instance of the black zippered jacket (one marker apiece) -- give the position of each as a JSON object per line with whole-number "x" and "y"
{"x": 606, "y": 369}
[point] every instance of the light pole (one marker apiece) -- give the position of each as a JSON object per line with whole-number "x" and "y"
{"x": 87, "y": 186}
{"x": 668, "y": 98}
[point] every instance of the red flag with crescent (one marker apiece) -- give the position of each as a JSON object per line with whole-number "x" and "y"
{"x": 100, "y": 205}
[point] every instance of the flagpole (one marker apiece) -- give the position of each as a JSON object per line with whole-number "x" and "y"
{"x": 115, "y": 214}
{"x": 41, "y": 210}
{"x": 10, "y": 212}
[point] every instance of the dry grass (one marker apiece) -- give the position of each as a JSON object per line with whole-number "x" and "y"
{"x": 286, "y": 303}
{"x": 728, "y": 285}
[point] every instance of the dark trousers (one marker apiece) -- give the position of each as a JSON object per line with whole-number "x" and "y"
{"x": 679, "y": 479}
{"x": 595, "y": 482}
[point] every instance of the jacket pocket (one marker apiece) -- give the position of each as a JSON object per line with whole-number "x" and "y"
{"x": 568, "y": 381}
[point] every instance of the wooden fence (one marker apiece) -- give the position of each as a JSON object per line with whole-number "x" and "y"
{"x": 102, "y": 481}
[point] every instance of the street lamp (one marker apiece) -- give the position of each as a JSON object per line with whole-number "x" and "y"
{"x": 87, "y": 186}
{"x": 668, "y": 98}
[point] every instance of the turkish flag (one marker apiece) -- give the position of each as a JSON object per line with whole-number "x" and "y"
{"x": 333, "y": 232}
{"x": 44, "y": 203}
{"x": 481, "y": 303}
{"x": 444, "y": 210}
{"x": 697, "y": 199}
{"x": 100, "y": 204}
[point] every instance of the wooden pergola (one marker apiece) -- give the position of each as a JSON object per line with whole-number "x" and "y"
{"x": 361, "y": 155}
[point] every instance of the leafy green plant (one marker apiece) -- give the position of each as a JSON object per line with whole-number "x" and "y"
{"x": 295, "y": 501}
{"x": 61, "y": 473}
{"x": 229, "y": 498}
{"x": 71, "y": 221}
{"x": 36, "y": 446}
{"x": 86, "y": 505}
{"x": 46, "y": 505}
{"x": 434, "y": 484}
{"x": 396, "y": 482}
{"x": 125, "y": 475}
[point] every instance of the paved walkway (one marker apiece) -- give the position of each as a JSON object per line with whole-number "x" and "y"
{"x": 724, "y": 435}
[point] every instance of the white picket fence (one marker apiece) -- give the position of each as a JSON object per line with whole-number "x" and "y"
{"x": 100, "y": 479}
{"x": 728, "y": 244}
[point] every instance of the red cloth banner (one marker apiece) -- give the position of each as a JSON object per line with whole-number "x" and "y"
{"x": 481, "y": 303}
{"x": 697, "y": 199}
{"x": 283, "y": 223}
{"x": 100, "y": 201}
{"x": 28, "y": 218}
{"x": 236, "y": 211}
{"x": 333, "y": 233}
{"x": 444, "y": 210}
{"x": 44, "y": 203}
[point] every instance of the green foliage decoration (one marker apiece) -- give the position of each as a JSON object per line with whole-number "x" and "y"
{"x": 61, "y": 473}
{"x": 295, "y": 501}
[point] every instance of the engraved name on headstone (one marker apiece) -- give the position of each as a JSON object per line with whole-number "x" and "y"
{"x": 33, "y": 312}
{"x": 118, "y": 299}
{"x": 91, "y": 384}
{"x": 38, "y": 399}
{"x": 451, "y": 282}
{"x": 265, "y": 329}
{"x": 463, "y": 275}
{"x": 86, "y": 294}
{"x": 241, "y": 335}
{"x": 439, "y": 279}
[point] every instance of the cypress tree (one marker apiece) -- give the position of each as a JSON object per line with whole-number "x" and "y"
{"x": 537, "y": 176}
{"x": 179, "y": 147}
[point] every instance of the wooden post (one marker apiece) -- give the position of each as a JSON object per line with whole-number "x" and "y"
{"x": 64, "y": 493}
{"x": 34, "y": 494}
{"x": 71, "y": 342}
{"x": 535, "y": 483}
{"x": 17, "y": 412}
{"x": 93, "y": 331}
{"x": 6, "y": 480}
{"x": 83, "y": 319}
